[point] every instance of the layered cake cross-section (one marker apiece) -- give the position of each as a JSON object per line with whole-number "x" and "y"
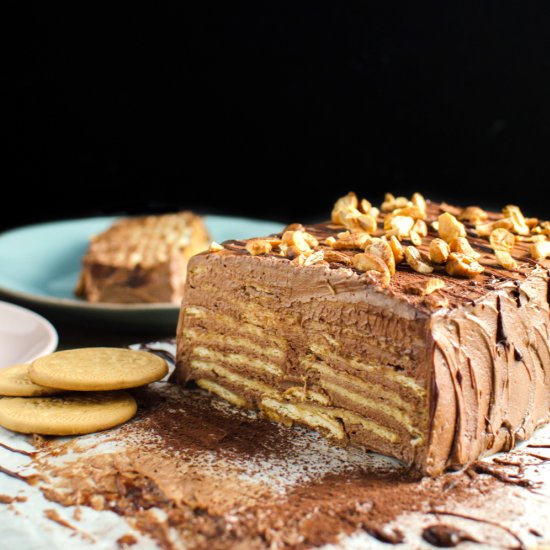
{"x": 417, "y": 330}
{"x": 142, "y": 259}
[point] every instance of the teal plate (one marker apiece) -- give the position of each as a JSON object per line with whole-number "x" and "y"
{"x": 40, "y": 265}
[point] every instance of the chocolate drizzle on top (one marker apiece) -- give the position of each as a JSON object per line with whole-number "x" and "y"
{"x": 501, "y": 338}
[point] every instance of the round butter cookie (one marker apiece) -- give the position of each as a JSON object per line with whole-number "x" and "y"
{"x": 97, "y": 369}
{"x": 66, "y": 415}
{"x": 15, "y": 382}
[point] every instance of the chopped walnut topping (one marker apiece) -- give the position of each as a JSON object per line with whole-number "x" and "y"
{"x": 415, "y": 238}
{"x": 309, "y": 258}
{"x": 366, "y": 208}
{"x": 215, "y": 247}
{"x": 420, "y": 228}
{"x": 439, "y": 251}
{"x": 460, "y": 265}
{"x": 461, "y": 244}
{"x": 514, "y": 213}
{"x": 355, "y": 221}
{"x": 450, "y": 228}
{"x": 329, "y": 241}
{"x": 397, "y": 249}
{"x": 371, "y": 263}
{"x": 351, "y": 241}
{"x": 290, "y": 251}
{"x": 485, "y": 229}
{"x": 342, "y": 205}
{"x": 334, "y": 256}
{"x": 531, "y": 223}
{"x": 419, "y": 201}
{"x": 410, "y": 211}
{"x": 382, "y": 249}
{"x": 399, "y": 226}
{"x": 391, "y": 203}
{"x": 473, "y": 214}
{"x": 367, "y": 223}
{"x": 540, "y": 250}
{"x": 296, "y": 239}
{"x": 294, "y": 227}
{"x": 310, "y": 239}
{"x": 502, "y": 239}
{"x": 258, "y": 246}
{"x": 530, "y": 238}
{"x": 417, "y": 260}
{"x": 425, "y": 286}
{"x": 505, "y": 259}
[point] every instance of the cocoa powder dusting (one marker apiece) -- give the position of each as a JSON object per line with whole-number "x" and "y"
{"x": 226, "y": 479}
{"x": 126, "y": 540}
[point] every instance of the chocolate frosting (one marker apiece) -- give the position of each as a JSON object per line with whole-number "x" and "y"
{"x": 479, "y": 348}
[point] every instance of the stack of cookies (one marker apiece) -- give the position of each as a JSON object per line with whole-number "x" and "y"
{"x": 75, "y": 391}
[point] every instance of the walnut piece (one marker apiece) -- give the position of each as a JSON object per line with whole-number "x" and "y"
{"x": 391, "y": 203}
{"x": 343, "y": 204}
{"x": 460, "y": 265}
{"x": 336, "y": 257}
{"x": 296, "y": 240}
{"x": 473, "y": 214}
{"x": 372, "y": 265}
{"x": 505, "y": 259}
{"x": 439, "y": 251}
{"x": 420, "y": 202}
{"x": 485, "y": 229}
{"x": 399, "y": 226}
{"x": 449, "y": 228}
{"x": 309, "y": 258}
{"x": 382, "y": 249}
{"x": 350, "y": 241}
{"x": 502, "y": 239}
{"x": 215, "y": 247}
{"x": 417, "y": 260}
{"x": 397, "y": 249}
{"x": 514, "y": 213}
{"x": 294, "y": 227}
{"x": 425, "y": 286}
{"x": 421, "y": 228}
{"x": 415, "y": 238}
{"x": 258, "y": 246}
{"x": 462, "y": 245}
{"x": 540, "y": 250}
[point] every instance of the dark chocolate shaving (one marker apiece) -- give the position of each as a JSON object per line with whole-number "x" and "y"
{"x": 518, "y": 356}
{"x": 520, "y": 545}
{"x": 501, "y": 338}
{"x": 385, "y": 534}
{"x": 492, "y": 470}
{"x": 446, "y": 536}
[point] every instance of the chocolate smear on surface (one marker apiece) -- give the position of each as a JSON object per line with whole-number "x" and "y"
{"x": 19, "y": 451}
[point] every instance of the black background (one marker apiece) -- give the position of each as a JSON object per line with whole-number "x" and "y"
{"x": 272, "y": 109}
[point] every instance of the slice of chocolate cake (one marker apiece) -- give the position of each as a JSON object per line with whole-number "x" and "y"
{"x": 421, "y": 332}
{"x": 142, "y": 259}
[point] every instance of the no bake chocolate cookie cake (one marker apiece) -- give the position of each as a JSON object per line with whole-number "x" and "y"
{"x": 142, "y": 259}
{"x": 418, "y": 330}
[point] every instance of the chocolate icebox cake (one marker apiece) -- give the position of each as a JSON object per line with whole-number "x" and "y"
{"x": 142, "y": 259}
{"x": 417, "y": 330}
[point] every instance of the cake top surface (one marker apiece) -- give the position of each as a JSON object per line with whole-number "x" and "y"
{"x": 431, "y": 255}
{"x": 146, "y": 240}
